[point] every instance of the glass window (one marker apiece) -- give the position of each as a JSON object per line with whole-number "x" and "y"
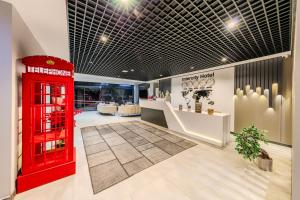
{"x": 89, "y": 95}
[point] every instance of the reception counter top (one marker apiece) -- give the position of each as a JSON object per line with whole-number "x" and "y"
{"x": 214, "y": 129}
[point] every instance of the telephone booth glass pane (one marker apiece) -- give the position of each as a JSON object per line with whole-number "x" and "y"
{"x": 48, "y": 107}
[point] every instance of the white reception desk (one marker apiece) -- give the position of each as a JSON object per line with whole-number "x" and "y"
{"x": 213, "y": 129}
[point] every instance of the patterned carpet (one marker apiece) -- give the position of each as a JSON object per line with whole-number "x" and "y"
{"x": 119, "y": 150}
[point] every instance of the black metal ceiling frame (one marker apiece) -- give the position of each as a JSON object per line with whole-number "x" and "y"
{"x": 167, "y": 30}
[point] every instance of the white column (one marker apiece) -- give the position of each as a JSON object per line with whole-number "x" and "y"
{"x": 296, "y": 109}
{"x": 136, "y": 93}
{"x": 6, "y": 105}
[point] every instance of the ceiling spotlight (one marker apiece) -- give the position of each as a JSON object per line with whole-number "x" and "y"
{"x": 132, "y": 70}
{"x": 137, "y": 13}
{"x": 90, "y": 62}
{"x": 224, "y": 59}
{"x": 192, "y": 67}
{"x": 124, "y": 71}
{"x": 103, "y": 38}
{"x": 160, "y": 75}
{"x": 232, "y": 23}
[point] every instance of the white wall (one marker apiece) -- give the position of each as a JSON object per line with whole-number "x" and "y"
{"x": 103, "y": 79}
{"x": 47, "y": 20}
{"x": 16, "y": 42}
{"x": 222, "y": 94}
{"x": 6, "y": 99}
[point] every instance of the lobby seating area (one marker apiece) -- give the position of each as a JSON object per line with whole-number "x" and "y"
{"x": 129, "y": 110}
{"x": 121, "y": 110}
{"x": 107, "y": 109}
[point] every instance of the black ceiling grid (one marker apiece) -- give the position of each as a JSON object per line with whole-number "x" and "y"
{"x": 155, "y": 38}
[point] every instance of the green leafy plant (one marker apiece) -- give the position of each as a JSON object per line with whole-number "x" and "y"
{"x": 248, "y": 143}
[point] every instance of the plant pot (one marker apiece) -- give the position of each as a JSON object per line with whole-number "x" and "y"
{"x": 210, "y": 111}
{"x": 265, "y": 164}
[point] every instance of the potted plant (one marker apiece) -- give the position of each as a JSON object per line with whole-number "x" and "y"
{"x": 204, "y": 94}
{"x": 210, "y": 110}
{"x": 248, "y": 145}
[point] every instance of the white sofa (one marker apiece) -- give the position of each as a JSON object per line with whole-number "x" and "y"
{"x": 107, "y": 108}
{"x": 129, "y": 110}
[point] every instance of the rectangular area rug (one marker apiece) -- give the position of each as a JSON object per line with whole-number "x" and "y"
{"x": 119, "y": 150}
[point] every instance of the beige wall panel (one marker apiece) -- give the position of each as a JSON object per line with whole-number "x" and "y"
{"x": 254, "y": 108}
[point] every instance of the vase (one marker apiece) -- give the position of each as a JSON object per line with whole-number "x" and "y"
{"x": 180, "y": 107}
{"x": 198, "y": 106}
{"x": 189, "y": 108}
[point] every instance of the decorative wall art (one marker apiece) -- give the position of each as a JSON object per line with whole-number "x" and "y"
{"x": 197, "y": 88}
{"x": 215, "y": 86}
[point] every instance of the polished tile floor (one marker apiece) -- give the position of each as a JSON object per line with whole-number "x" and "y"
{"x": 201, "y": 172}
{"x": 117, "y": 151}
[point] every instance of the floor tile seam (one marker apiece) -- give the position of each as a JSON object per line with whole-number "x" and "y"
{"x": 135, "y": 160}
{"x": 136, "y": 133}
{"x": 154, "y": 144}
{"x": 167, "y": 152}
{"x": 153, "y": 132}
{"x": 172, "y": 142}
{"x": 161, "y": 150}
{"x": 97, "y": 151}
{"x": 147, "y": 139}
{"x": 140, "y": 151}
{"x": 142, "y": 155}
{"x": 86, "y": 127}
{"x": 170, "y": 156}
{"x": 103, "y": 163}
{"x": 86, "y": 159}
{"x": 91, "y": 137}
{"x": 116, "y": 156}
{"x": 168, "y": 131}
{"x": 128, "y": 137}
{"x": 93, "y": 144}
{"x": 84, "y": 137}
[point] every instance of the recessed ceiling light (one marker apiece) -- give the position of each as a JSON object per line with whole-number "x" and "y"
{"x": 125, "y": 5}
{"x": 137, "y": 13}
{"x": 232, "y": 23}
{"x": 124, "y": 71}
{"x": 192, "y": 67}
{"x": 103, "y": 38}
{"x": 224, "y": 59}
{"x": 132, "y": 70}
{"x": 160, "y": 75}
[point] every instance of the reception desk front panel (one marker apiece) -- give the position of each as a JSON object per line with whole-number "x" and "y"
{"x": 213, "y": 129}
{"x": 154, "y": 116}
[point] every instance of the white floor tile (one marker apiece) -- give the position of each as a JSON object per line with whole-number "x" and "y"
{"x": 201, "y": 172}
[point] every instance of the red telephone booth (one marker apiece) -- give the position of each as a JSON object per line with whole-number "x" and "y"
{"x": 48, "y": 152}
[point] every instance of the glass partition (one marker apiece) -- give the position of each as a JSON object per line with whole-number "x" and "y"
{"x": 89, "y": 95}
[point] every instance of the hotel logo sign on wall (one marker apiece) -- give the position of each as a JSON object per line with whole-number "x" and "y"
{"x": 198, "y": 82}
